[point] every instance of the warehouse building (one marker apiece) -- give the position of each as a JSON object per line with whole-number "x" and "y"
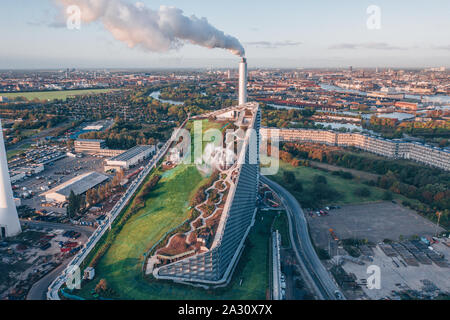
{"x": 78, "y": 185}
{"x": 130, "y": 158}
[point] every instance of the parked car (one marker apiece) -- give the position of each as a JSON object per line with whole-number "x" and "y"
{"x": 76, "y": 235}
{"x": 46, "y": 246}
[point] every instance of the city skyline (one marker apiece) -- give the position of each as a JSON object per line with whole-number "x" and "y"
{"x": 292, "y": 35}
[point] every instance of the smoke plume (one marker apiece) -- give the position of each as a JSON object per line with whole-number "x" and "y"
{"x": 154, "y": 30}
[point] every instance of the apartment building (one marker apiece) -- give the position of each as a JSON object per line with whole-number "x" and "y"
{"x": 397, "y": 149}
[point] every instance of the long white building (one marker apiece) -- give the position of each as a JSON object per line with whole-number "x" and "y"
{"x": 130, "y": 158}
{"x": 9, "y": 220}
{"x": 78, "y": 185}
{"x": 397, "y": 149}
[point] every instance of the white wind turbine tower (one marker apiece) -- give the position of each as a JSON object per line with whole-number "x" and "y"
{"x": 9, "y": 220}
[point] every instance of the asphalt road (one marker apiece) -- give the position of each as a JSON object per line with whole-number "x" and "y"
{"x": 87, "y": 231}
{"x": 39, "y": 289}
{"x": 323, "y": 283}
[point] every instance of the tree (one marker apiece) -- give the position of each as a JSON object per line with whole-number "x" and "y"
{"x": 76, "y": 203}
{"x": 298, "y": 186}
{"x": 387, "y": 196}
{"x": 362, "y": 192}
{"x": 92, "y": 197}
{"x": 72, "y": 207}
{"x": 118, "y": 178}
{"x": 319, "y": 179}
{"x": 288, "y": 177}
{"x": 101, "y": 286}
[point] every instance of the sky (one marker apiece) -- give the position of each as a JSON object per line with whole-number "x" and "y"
{"x": 278, "y": 34}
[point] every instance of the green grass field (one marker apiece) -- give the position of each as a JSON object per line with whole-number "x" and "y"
{"x": 346, "y": 188}
{"x": 282, "y": 225}
{"x": 167, "y": 207}
{"x": 52, "y": 95}
{"x": 206, "y": 125}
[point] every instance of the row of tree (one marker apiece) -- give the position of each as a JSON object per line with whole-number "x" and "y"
{"x": 430, "y": 186}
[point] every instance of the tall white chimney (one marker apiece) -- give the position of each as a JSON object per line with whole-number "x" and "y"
{"x": 243, "y": 81}
{"x": 9, "y": 220}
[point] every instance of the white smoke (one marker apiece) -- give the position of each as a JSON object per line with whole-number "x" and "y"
{"x": 154, "y": 30}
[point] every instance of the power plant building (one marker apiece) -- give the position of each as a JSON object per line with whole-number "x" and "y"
{"x": 215, "y": 266}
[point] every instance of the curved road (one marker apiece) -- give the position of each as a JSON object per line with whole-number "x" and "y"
{"x": 324, "y": 285}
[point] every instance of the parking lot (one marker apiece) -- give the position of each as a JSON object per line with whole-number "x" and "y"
{"x": 374, "y": 222}
{"x": 53, "y": 175}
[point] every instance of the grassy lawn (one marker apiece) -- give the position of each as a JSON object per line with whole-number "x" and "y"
{"x": 12, "y": 153}
{"x": 167, "y": 207}
{"x": 252, "y": 269}
{"x": 206, "y": 125}
{"x": 29, "y": 132}
{"x": 52, "y": 95}
{"x": 346, "y": 188}
{"x": 282, "y": 225}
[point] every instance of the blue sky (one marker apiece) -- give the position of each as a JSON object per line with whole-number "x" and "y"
{"x": 322, "y": 33}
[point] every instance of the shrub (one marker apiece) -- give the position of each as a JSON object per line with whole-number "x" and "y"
{"x": 288, "y": 177}
{"x": 387, "y": 196}
{"x": 101, "y": 286}
{"x": 346, "y": 175}
{"x": 362, "y": 192}
{"x": 319, "y": 179}
{"x": 297, "y": 186}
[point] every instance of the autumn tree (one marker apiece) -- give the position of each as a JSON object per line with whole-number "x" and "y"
{"x": 101, "y": 286}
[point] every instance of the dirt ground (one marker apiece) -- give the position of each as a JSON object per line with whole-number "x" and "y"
{"x": 372, "y": 221}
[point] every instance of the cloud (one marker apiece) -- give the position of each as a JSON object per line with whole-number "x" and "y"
{"x": 369, "y": 45}
{"x": 273, "y": 45}
{"x": 447, "y": 47}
